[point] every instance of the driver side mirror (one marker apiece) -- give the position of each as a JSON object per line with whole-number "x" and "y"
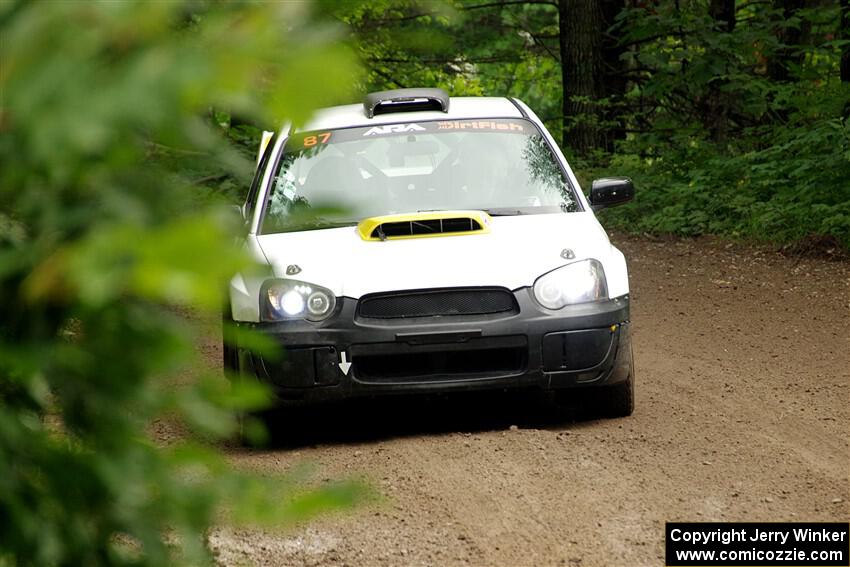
{"x": 610, "y": 191}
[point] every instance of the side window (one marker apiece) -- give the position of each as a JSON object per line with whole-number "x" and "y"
{"x": 254, "y": 191}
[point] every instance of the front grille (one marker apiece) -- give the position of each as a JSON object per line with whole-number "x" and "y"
{"x": 433, "y": 303}
{"x": 476, "y": 359}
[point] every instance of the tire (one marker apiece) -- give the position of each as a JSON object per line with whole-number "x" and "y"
{"x": 253, "y": 438}
{"x": 230, "y": 356}
{"x": 230, "y": 369}
{"x": 600, "y": 402}
{"x": 617, "y": 400}
{"x": 249, "y": 434}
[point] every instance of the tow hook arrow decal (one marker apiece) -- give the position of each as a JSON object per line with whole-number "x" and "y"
{"x": 344, "y": 365}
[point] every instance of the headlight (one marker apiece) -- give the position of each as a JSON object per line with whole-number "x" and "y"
{"x": 579, "y": 282}
{"x": 291, "y": 299}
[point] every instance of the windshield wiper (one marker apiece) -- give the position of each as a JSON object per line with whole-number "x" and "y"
{"x": 504, "y": 212}
{"x": 496, "y": 212}
{"x": 315, "y": 224}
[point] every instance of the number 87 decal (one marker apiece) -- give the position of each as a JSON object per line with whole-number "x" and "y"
{"x": 310, "y": 141}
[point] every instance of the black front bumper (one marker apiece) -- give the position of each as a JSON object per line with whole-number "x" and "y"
{"x": 580, "y": 345}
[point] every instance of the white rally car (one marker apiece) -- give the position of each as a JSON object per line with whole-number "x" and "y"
{"x": 421, "y": 243}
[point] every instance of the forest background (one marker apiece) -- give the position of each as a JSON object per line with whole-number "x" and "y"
{"x": 127, "y": 128}
{"x": 733, "y": 117}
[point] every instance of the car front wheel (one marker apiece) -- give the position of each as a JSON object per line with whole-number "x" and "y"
{"x": 230, "y": 356}
{"x": 617, "y": 400}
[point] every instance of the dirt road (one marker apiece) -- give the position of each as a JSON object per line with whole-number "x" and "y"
{"x": 743, "y": 413}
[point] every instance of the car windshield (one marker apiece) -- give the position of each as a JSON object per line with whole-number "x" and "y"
{"x": 338, "y": 177}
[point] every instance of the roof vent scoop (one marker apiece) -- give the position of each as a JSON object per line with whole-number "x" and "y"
{"x": 405, "y": 100}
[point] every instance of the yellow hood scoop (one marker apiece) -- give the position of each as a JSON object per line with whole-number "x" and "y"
{"x": 424, "y": 225}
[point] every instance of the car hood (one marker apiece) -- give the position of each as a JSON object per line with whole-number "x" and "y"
{"x": 515, "y": 252}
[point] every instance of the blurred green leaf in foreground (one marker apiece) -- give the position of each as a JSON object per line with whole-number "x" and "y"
{"x": 103, "y": 243}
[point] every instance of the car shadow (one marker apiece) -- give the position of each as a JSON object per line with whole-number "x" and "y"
{"x": 380, "y": 419}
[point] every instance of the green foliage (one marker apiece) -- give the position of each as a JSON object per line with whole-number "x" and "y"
{"x": 738, "y": 130}
{"x": 454, "y": 46}
{"x": 107, "y": 244}
{"x": 784, "y": 192}
{"x": 720, "y": 145}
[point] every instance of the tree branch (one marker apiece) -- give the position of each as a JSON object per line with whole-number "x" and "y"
{"x": 508, "y": 3}
{"x": 682, "y": 33}
{"x": 388, "y": 77}
{"x": 485, "y": 5}
{"x": 481, "y": 61}
{"x": 743, "y": 5}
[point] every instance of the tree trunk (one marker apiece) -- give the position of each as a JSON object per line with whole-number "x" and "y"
{"x": 586, "y": 54}
{"x": 790, "y": 37}
{"x": 723, "y": 13}
{"x": 716, "y": 107}
{"x": 844, "y": 33}
{"x": 615, "y": 81}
